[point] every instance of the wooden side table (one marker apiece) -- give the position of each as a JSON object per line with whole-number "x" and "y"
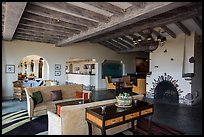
{"x": 115, "y": 116}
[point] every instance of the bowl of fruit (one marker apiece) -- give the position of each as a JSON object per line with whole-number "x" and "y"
{"x": 124, "y": 100}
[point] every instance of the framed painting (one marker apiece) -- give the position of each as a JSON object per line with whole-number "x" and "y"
{"x": 57, "y": 66}
{"x": 57, "y": 73}
{"x": 10, "y": 69}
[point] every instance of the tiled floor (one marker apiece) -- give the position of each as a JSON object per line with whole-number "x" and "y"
{"x": 185, "y": 118}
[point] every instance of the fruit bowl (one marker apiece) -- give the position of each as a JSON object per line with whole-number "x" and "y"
{"x": 124, "y": 99}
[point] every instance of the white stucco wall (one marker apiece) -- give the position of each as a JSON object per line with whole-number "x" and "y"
{"x": 179, "y": 64}
{"x": 14, "y": 51}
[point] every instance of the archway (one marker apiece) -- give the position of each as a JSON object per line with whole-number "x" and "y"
{"x": 33, "y": 67}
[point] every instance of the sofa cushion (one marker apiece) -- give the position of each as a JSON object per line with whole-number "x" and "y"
{"x": 56, "y": 95}
{"x": 37, "y": 97}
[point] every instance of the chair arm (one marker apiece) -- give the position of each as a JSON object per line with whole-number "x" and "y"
{"x": 54, "y": 124}
{"x": 89, "y": 93}
{"x": 30, "y": 104}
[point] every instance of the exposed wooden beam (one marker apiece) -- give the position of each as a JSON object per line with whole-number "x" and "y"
{"x": 43, "y": 30}
{"x": 108, "y": 45}
{"x": 127, "y": 40}
{"x": 132, "y": 17}
{"x": 69, "y": 8}
{"x": 114, "y": 42}
{"x": 183, "y": 28}
{"x": 107, "y": 6}
{"x": 35, "y": 39}
{"x": 121, "y": 42}
{"x": 13, "y": 13}
{"x": 172, "y": 17}
{"x": 49, "y": 26}
{"x": 38, "y": 35}
{"x": 56, "y": 22}
{"x": 198, "y": 21}
{"x": 169, "y": 31}
{"x": 51, "y": 30}
{"x": 59, "y": 15}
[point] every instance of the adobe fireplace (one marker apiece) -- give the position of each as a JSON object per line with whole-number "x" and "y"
{"x": 165, "y": 89}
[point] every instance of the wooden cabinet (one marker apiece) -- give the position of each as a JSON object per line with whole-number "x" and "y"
{"x": 18, "y": 90}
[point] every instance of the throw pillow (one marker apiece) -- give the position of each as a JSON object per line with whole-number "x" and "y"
{"x": 78, "y": 94}
{"x": 37, "y": 97}
{"x": 56, "y": 95}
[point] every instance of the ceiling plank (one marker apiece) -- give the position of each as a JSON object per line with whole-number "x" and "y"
{"x": 153, "y": 22}
{"x": 50, "y": 26}
{"x": 43, "y": 30}
{"x": 169, "y": 31}
{"x": 132, "y": 17}
{"x": 47, "y": 20}
{"x": 183, "y": 28}
{"x": 127, "y": 44}
{"x": 107, "y": 7}
{"x": 109, "y": 46}
{"x": 37, "y": 35}
{"x": 51, "y": 30}
{"x": 28, "y": 30}
{"x": 198, "y": 21}
{"x": 35, "y": 39}
{"x": 13, "y": 13}
{"x": 59, "y": 15}
{"x": 114, "y": 42}
{"x": 127, "y": 40}
{"x": 69, "y": 8}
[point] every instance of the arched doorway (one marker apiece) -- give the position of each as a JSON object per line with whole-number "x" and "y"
{"x": 33, "y": 67}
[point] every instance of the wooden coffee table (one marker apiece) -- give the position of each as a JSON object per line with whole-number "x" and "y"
{"x": 115, "y": 116}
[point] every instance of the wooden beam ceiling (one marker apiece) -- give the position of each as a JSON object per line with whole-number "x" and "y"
{"x": 50, "y": 13}
{"x": 198, "y": 21}
{"x": 13, "y": 13}
{"x": 165, "y": 18}
{"x": 183, "y": 28}
{"x": 118, "y": 22}
{"x": 169, "y": 31}
{"x": 69, "y": 8}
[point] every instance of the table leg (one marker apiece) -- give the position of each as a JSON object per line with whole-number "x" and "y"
{"x": 103, "y": 131}
{"x": 90, "y": 128}
{"x": 149, "y": 125}
{"x": 133, "y": 127}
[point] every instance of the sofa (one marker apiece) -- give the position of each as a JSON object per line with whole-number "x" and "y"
{"x": 72, "y": 120}
{"x": 68, "y": 94}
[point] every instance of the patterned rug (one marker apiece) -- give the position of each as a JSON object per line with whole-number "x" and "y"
{"x": 17, "y": 123}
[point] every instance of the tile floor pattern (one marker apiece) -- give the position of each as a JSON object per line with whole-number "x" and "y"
{"x": 185, "y": 118}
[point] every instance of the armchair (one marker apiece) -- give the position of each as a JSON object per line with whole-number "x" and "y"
{"x": 18, "y": 90}
{"x": 109, "y": 83}
{"x": 141, "y": 87}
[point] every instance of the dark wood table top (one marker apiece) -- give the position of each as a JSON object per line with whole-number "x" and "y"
{"x": 112, "y": 110}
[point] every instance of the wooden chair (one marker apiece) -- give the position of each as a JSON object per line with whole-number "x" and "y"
{"x": 127, "y": 82}
{"x": 141, "y": 87}
{"x": 109, "y": 83}
{"x": 18, "y": 90}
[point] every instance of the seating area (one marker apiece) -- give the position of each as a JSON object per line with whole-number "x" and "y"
{"x": 68, "y": 62}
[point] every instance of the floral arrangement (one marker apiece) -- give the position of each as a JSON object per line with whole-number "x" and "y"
{"x": 124, "y": 99}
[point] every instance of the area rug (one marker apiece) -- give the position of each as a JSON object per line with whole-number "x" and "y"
{"x": 17, "y": 123}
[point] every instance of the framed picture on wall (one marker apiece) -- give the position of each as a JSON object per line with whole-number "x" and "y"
{"x": 57, "y": 66}
{"x": 57, "y": 73}
{"x": 10, "y": 69}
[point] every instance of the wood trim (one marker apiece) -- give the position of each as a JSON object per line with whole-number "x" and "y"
{"x": 94, "y": 119}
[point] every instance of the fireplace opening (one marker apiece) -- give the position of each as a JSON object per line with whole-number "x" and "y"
{"x": 165, "y": 91}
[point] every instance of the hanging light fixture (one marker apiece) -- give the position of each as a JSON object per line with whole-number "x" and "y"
{"x": 149, "y": 42}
